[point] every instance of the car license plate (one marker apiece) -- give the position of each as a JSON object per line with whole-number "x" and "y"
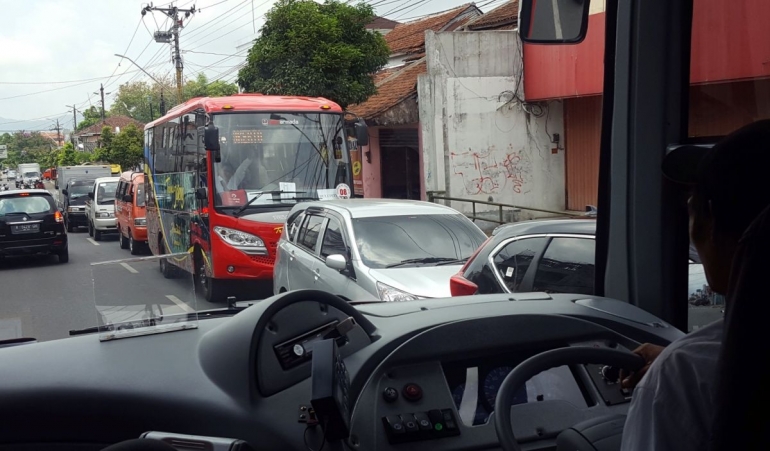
{"x": 25, "y": 228}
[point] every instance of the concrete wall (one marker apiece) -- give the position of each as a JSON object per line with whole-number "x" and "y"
{"x": 479, "y": 141}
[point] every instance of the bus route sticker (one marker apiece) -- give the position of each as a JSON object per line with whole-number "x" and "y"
{"x": 343, "y": 191}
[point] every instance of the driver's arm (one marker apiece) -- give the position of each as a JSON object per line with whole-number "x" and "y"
{"x": 240, "y": 173}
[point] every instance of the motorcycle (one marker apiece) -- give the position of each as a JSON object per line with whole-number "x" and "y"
{"x": 39, "y": 185}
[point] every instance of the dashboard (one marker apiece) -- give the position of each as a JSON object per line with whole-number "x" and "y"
{"x": 414, "y": 371}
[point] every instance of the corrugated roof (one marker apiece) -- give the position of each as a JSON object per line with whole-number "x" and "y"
{"x": 498, "y": 18}
{"x": 112, "y": 121}
{"x": 391, "y": 91}
{"x": 410, "y": 37}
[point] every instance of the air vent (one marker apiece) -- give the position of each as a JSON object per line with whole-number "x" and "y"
{"x": 189, "y": 444}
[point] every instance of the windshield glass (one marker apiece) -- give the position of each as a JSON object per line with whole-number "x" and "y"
{"x": 388, "y": 240}
{"x": 29, "y": 205}
{"x": 79, "y": 190}
{"x": 261, "y": 152}
{"x": 31, "y": 174}
{"x": 105, "y": 192}
{"x": 140, "y": 195}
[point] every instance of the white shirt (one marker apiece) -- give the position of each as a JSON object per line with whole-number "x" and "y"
{"x": 229, "y": 186}
{"x": 672, "y": 407}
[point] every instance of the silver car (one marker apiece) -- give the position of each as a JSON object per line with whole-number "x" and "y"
{"x": 374, "y": 249}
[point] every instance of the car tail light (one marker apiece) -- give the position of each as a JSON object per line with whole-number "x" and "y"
{"x": 58, "y": 216}
{"x": 460, "y": 286}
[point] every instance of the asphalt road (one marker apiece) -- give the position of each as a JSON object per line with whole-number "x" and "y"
{"x": 45, "y": 299}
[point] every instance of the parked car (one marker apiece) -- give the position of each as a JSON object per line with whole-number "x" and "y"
{"x": 373, "y": 249}
{"x": 131, "y": 212}
{"x": 100, "y": 207}
{"x": 73, "y": 199}
{"x": 30, "y": 223}
{"x": 552, "y": 256}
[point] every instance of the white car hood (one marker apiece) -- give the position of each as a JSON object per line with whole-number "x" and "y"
{"x": 423, "y": 281}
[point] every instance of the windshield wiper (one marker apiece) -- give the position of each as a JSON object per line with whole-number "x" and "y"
{"x": 456, "y": 260}
{"x": 273, "y": 193}
{"x": 423, "y": 260}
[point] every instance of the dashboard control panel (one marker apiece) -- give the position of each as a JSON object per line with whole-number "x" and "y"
{"x": 430, "y": 425}
{"x": 607, "y": 382}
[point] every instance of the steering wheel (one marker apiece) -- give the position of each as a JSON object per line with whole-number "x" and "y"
{"x": 544, "y": 361}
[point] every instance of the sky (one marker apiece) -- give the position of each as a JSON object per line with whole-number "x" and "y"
{"x": 55, "y": 53}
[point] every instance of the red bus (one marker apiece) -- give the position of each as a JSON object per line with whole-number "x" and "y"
{"x": 222, "y": 174}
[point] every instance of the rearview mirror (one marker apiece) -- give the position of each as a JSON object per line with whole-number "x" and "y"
{"x": 553, "y": 22}
{"x": 91, "y": 195}
{"x": 201, "y": 193}
{"x": 127, "y": 198}
{"x": 64, "y": 191}
{"x": 211, "y": 138}
{"x": 362, "y": 133}
{"x": 337, "y": 261}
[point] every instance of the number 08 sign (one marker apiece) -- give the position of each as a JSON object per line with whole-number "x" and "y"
{"x": 343, "y": 191}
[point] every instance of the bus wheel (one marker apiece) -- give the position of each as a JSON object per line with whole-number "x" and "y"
{"x": 166, "y": 268}
{"x": 210, "y": 288}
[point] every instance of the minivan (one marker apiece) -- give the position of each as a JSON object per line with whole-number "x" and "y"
{"x": 130, "y": 211}
{"x": 100, "y": 207}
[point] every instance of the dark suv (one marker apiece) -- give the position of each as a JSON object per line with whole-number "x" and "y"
{"x": 74, "y": 197}
{"x": 30, "y": 223}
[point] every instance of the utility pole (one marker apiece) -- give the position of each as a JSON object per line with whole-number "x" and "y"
{"x": 74, "y": 122}
{"x": 173, "y": 34}
{"x": 101, "y": 90}
{"x": 58, "y": 133}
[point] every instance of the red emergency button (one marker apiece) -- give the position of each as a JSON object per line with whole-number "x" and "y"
{"x": 412, "y": 392}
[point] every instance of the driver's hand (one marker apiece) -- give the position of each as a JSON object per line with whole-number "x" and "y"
{"x": 649, "y": 352}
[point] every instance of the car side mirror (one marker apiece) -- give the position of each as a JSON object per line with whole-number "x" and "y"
{"x": 554, "y": 22}
{"x": 201, "y": 194}
{"x": 362, "y": 133}
{"x": 127, "y": 198}
{"x": 337, "y": 261}
{"x": 64, "y": 191}
{"x": 91, "y": 195}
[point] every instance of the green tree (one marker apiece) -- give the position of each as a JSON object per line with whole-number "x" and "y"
{"x": 91, "y": 116}
{"x": 125, "y": 148}
{"x": 67, "y": 155}
{"x": 135, "y": 99}
{"x": 201, "y": 87}
{"x": 312, "y": 49}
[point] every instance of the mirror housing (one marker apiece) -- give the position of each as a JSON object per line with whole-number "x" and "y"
{"x": 91, "y": 195}
{"x": 362, "y": 133}
{"x": 337, "y": 262}
{"x": 64, "y": 191}
{"x": 211, "y": 138}
{"x": 540, "y": 24}
{"x": 127, "y": 198}
{"x": 201, "y": 194}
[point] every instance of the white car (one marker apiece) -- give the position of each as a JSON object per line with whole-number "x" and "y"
{"x": 374, "y": 249}
{"x": 100, "y": 207}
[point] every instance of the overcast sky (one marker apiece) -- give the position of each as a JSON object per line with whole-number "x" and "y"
{"x": 67, "y": 47}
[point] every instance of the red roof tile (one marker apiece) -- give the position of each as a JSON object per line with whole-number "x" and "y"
{"x": 499, "y": 18}
{"x": 410, "y": 37}
{"x": 112, "y": 122}
{"x": 391, "y": 91}
{"x": 385, "y": 73}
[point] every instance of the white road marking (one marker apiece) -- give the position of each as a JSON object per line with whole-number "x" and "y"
{"x": 180, "y": 303}
{"x": 129, "y": 268}
{"x": 92, "y": 241}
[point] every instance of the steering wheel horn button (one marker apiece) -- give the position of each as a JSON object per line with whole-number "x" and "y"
{"x": 390, "y": 394}
{"x": 412, "y": 392}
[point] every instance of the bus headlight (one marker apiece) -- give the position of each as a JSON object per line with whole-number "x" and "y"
{"x": 246, "y": 242}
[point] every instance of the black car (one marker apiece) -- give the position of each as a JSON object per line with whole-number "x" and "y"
{"x": 74, "y": 197}
{"x": 552, "y": 256}
{"x": 30, "y": 223}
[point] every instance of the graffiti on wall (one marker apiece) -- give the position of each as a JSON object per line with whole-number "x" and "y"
{"x": 493, "y": 170}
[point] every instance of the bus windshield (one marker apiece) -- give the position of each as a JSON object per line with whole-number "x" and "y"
{"x": 298, "y": 153}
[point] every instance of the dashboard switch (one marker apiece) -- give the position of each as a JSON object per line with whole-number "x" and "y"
{"x": 394, "y": 425}
{"x": 437, "y": 419}
{"x": 390, "y": 394}
{"x": 410, "y": 423}
{"x": 449, "y": 419}
{"x": 423, "y": 422}
{"x": 412, "y": 392}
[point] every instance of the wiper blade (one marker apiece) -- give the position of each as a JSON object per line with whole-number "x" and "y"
{"x": 423, "y": 260}
{"x": 450, "y": 262}
{"x": 202, "y": 314}
{"x": 273, "y": 193}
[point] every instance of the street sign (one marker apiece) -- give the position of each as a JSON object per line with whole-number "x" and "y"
{"x": 3, "y": 151}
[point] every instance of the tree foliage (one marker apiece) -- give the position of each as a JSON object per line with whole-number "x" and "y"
{"x": 67, "y": 156}
{"x": 311, "y": 49}
{"x": 91, "y": 116}
{"x": 124, "y": 148}
{"x": 138, "y": 99}
{"x": 28, "y": 147}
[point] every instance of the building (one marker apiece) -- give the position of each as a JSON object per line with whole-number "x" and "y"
{"x": 88, "y": 139}
{"x": 382, "y": 25}
{"x": 392, "y": 163}
{"x": 58, "y": 138}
